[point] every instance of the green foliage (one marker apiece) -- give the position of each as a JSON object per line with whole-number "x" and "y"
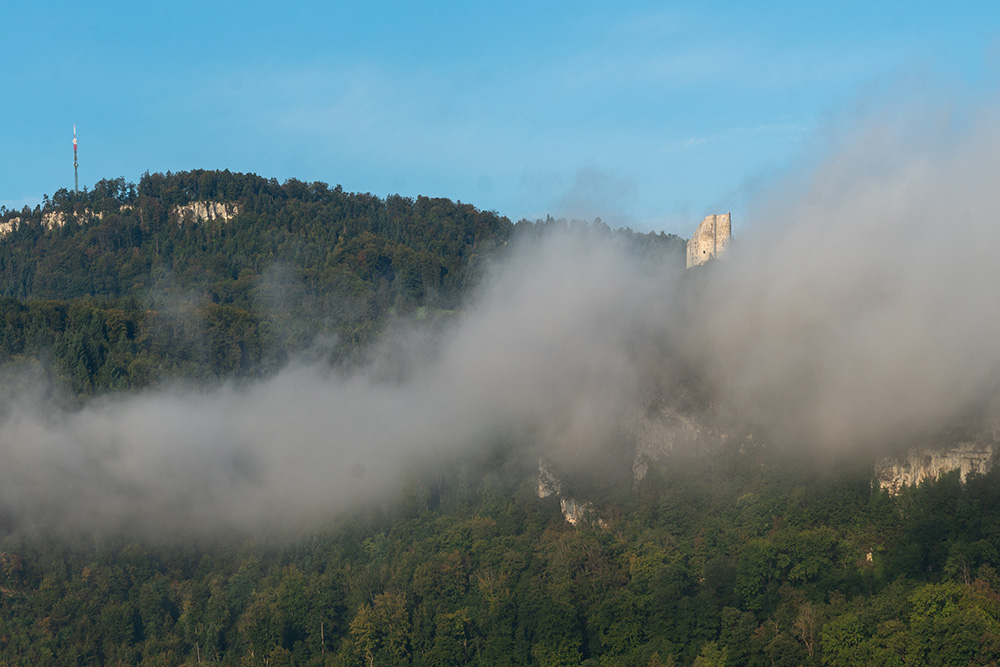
{"x": 500, "y": 579}
{"x": 118, "y": 288}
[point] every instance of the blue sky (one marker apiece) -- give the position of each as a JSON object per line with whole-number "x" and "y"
{"x": 647, "y": 114}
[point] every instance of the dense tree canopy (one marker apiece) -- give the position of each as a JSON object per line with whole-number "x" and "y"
{"x": 122, "y": 287}
{"x": 697, "y": 566}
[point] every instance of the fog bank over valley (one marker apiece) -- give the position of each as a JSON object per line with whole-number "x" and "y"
{"x": 855, "y": 312}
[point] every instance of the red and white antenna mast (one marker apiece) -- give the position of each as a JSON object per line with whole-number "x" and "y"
{"x": 76, "y": 173}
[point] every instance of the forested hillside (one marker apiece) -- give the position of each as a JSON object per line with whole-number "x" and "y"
{"x": 124, "y": 284}
{"x": 738, "y": 552}
{"x": 712, "y": 562}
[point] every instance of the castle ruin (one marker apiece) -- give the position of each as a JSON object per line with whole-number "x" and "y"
{"x": 709, "y": 240}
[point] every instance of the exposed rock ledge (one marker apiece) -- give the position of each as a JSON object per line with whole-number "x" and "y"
{"x": 575, "y": 511}
{"x": 895, "y": 473}
{"x": 658, "y": 436}
{"x": 199, "y": 211}
{"x": 8, "y": 226}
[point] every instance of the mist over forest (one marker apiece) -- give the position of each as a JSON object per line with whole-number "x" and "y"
{"x": 310, "y": 429}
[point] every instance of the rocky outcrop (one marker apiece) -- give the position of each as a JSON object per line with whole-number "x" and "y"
{"x": 548, "y": 483}
{"x": 8, "y": 226}
{"x": 575, "y": 511}
{"x": 53, "y": 220}
{"x": 710, "y": 239}
{"x": 57, "y": 219}
{"x": 895, "y": 473}
{"x": 658, "y": 436}
{"x": 200, "y": 211}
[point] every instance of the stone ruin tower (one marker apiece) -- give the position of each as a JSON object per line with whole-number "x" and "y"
{"x": 709, "y": 240}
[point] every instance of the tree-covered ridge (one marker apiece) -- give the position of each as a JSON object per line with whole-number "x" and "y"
{"x": 120, "y": 287}
{"x": 712, "y": 561}
{"x": 119, "y": 239}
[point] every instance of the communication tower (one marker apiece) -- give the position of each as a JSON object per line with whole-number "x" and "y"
{"x": 76, "y": 173}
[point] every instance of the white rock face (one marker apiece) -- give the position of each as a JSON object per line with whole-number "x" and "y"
{"x": 710, "y": 239}
{"x": 199, "y": 211}
{"x": 572, "y": 509}
{"x": 659, "y": 436}
{"x": 56, "y": 219}
{"x": 575, "y": 511}
{"x": 53, "y": 220}
{"x": 920, "y": 464}
{"x": 548, "y": 483}
{"x": 9, "y": 226}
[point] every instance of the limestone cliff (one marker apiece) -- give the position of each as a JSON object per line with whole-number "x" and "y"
{"x": 8, "y": 226}
{"x": 548, "y": 483}
{"x": 53, "y": 220}
{"x": 710, "y": 239}
{"x": 199, "y": 211}
{"x": 573, "y": 510}
{"x": 56, "y": 219}
{"x": 658, "y": 436}
{"x": 894, "y": 473}
{"x": 576, "y": 511}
